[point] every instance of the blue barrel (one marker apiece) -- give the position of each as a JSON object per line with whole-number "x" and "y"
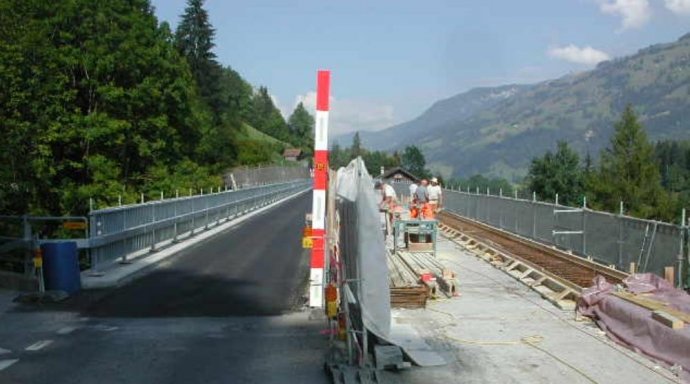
{"x": 61, "y": 266}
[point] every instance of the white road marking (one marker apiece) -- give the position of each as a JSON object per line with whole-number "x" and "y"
{"x": 4, "y": 351}
{"x": 7, "y": 363}
{"x": 106, "y": 328}
{"x": 66, "y": 330}
{"x": 39, "y": 345}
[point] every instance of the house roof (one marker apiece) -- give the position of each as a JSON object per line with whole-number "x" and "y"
{"x": 389, "y": 173}
{"x": 292, "y": 152}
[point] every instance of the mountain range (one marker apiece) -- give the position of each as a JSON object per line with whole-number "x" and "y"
{"x": 496, "y": 131}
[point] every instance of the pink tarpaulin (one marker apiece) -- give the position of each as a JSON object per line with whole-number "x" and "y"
{"x": 633, "y": 326}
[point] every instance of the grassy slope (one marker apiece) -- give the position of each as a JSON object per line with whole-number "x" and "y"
{"x": 253, "y": 134}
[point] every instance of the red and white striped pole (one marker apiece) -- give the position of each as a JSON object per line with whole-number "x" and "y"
{"x": 323, "y": 84}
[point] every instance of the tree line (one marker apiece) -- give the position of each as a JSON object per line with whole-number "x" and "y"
{"x": 411, "y": 158}
{"x": 100, "y": 100}
{"x": 652, "y": 180}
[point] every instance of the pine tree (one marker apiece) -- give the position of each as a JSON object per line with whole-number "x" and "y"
{"x": 194, "y": 40}
{"x": 557, "y": 173}
{"x": 628, "y": 172}
{"x": 413, "y": 161}
{"x": 356, "y": 148}
{"x": 301, "y": 124}
{"x": 267, "y": 118}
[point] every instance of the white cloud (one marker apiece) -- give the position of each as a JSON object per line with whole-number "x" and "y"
{"x": 348, "y": 115}
{"x": 586, "y": 55}
{"x": 678, "y": 6}
{"x": 635, "y": 13}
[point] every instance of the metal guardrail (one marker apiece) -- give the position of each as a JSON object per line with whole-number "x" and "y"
{"x": 122, "y": 232}
{"x": 117, "y": 233}
{"x": 242, "y": 177}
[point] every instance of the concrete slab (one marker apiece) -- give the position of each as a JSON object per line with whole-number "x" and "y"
{"x": 501, "y": 331}
{"x": 118, "y": 274}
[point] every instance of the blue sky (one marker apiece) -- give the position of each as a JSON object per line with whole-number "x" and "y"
{"x": 392, "y": 59}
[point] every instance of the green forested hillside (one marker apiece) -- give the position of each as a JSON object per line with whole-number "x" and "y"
{"x": 99, "y": 99}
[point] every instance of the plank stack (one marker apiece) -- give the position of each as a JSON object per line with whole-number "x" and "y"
{"x": 406, "y": 289}
{"x": 417, "y": 276}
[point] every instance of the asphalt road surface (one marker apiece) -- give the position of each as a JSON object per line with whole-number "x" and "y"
{"x": 226, "y": 310}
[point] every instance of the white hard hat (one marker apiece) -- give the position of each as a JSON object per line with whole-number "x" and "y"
{"x": 434, "y": 180}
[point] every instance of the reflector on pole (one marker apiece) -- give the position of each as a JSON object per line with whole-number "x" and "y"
{"x": 323, "y": 81}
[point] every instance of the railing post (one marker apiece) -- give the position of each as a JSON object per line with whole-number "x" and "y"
{"x": 206, "y": 205}
{"x": 534, "y": 215}
{"x": 682, "y": 250}
{"x": 621, "y": 211}
{"x": 175, "y": 202}
{"x": 93, "y": 254}
{"x": 153, "y": 231}
{"x": 584, "y": 225}
{"x": 515, "y": 213}
{"x": 488, "y": 207}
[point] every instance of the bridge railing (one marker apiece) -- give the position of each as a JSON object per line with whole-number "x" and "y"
{"x": 612, "y": 239}
{"x": 242, "y": 177}
{"x": 120, "y": 233}
{"x": 123, "y": 232}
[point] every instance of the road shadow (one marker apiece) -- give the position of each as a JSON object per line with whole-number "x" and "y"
{"x": 178, "y": 293}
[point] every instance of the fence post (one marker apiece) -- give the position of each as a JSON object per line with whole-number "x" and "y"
{"x": 488, "y": 206}
{"x": 556, "y": 199}
{"x": 515, "y": 213}
{"x": 93, "y": 255}
{"x": 174, "y": 239}
{"x": 153, "y": 232}
{"x": 621, "y": 211}
{"x": 584, "y": 225}
{"x": 534, "y": 215}
{"x": 681, "y": 253}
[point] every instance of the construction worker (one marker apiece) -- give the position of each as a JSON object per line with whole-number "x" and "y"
{"x": 435, "y": 195}
{"x": 413, "y": 189}
{"x": 389, "y": 200}
{"x": 420, "y": 202}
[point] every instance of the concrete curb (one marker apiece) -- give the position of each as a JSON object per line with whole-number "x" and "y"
{"x": 119, "y": 274}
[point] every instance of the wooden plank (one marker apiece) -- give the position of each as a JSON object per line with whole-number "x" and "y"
{"x": 668, "y": 320}
{"x": 653, "y": 305}
{"x": 670, "y": 275}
